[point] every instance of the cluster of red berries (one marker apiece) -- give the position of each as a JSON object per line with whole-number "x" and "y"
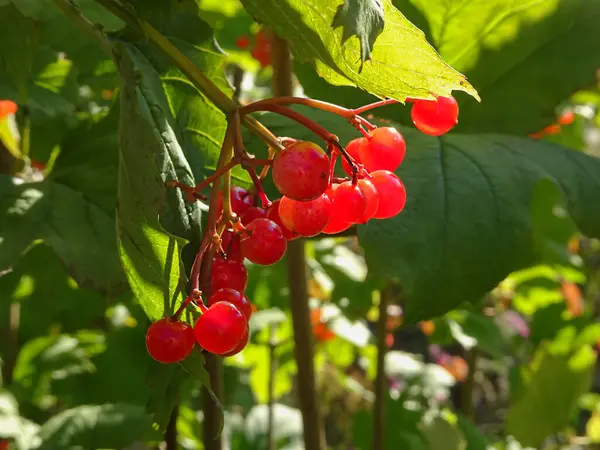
{"x": 313, "y": 201}
{"x": 261, "y": 51}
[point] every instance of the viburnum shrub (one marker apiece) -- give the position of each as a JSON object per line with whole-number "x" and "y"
{"x": 246, "y": 224}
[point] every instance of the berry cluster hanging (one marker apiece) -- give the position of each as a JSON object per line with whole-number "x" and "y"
{"x": 247, "y": 225}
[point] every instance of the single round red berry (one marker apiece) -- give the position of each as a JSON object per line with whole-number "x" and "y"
{"x": 435, "y": 117}
{"x": 230, "y": 241}
{"x": 252, "y": 213}
{"x": 301, "y": 171}
{"x": 273, "y": 214}
{"x": 228, "y": 273}
{"x": 263, "y": 242}
{"x": 241, "y": 200}
{"x": 353, "y": 149}
{"x": 392, "y": 195}
{"x": 220, "y": 328}
{"x": 236, "y": 298}
{"x": 7, "y": 107}
{"x": 384, "y": 149}
{"x": 335, "y": 224}
{"x": 241, "y": 345}
{"x": 169, "y": 341}
{"x": 371, "y": 199}
{"x": 306, "y": 218}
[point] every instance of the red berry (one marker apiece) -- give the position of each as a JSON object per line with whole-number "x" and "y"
{"x": 566, "y": 118}
{"x": 252, "y": 213}
{"x": 306, "y": 218}
{"x": 228, "y": 273}
{"x": 383, "y": 150}
{"x": 242, "y": 42}
{"x": 355, "y": 203}
{"x": 392, "y": 195}
{"x": 263, "y": 242}
{"x": 335, "y": 224}
{"x": 236, "y": 298}
{"x": 241, "y": 200}
{"x": 353, "y": 149}
{"x": 435, "y": 117}
{"x": 241, "y": 345}
{"x": 220, "y": 328}
{"x": 273, "y": 214}
{"x": 230, "y": 241}
{"x": 169, "y": 341}
{"x": 301, "y": 171}
{"x": 7, "y": 107}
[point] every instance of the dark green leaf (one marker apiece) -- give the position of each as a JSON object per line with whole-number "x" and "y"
{"x": 483, "y": 330}
{"x": 524, "y": 58}
{"x": 467, "y": 222}
{"x": 402, "y": 63}
{"x": 17, "y": 46}
{"x": 363, "y": 18}
{"x": 474, "y": 438}
{"x": 96, "y": 426}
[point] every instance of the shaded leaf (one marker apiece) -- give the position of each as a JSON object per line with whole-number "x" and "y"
{"x": 97, "y": 426}
{"x": 402, "y": 63}
{"x": 363, "y": 18}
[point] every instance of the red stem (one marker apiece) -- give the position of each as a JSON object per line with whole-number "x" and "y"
{"x": 362, "y": 109}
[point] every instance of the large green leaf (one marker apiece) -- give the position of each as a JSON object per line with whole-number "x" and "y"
{"x": 17, "y": 46}
{"x": 467, "y": 222}
{"x": 96, "y": 426}
{"x": 72, "y": 210}
{"x": 551, "y": 395}
{"x": 524, "y": 57}
{"x": 402, "y": 63}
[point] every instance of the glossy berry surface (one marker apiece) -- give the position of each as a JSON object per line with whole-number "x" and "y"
{"x": 228, "y": 273}
{"x": 392, "y": 195}
{"x": 273, "y": 214}
{"x": 230, "y": 241}
{"x": 336, "y": 224}
{"x": 306, "y": 218}
{"x": 241, "y": 200}
{"x": 383, "y": 150}
{"x": 252, "y": 213}
{"x": 236, "y": 298}
{"x": 263, "y": 242}
{"x": 355, "y": 203}
{"x": 169, "y": 341}
{"x": 220, "y": 328}
{"x": 7, "y": 107}
{"x": 301, "y": 171}
{"x": 241, "y": 344}
{"x": 435, "y": 117}
{"x": 353, "y": 149}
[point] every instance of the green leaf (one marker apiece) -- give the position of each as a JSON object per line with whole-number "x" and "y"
{"x": 484, "y": 331}
{"x": 442, "y": 435}
{"x": 551, "y": 395}
{"x": 467, "y": 222}
{"x": 96, "y": 426}
{"x": 74, "y": 214}
{"x": 363, "y": 18}
{"x": 504, "y": 46}
{"x": 402, "y": 63}
{"x": 475, "y": 438}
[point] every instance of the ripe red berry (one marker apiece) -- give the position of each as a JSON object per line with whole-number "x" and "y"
{"x": 355, "y": 203}
{"x": 353, "y": 149}
{"x": 241, "y": 200}
{"x": 7, "y": 107}
{"x": 230, "y": 241}
{"x": 566, "y": 118}
{"x": 335, "y": 224}
{"x": 301, "y": 171}
{"x": 263, "y": 242}
{"x": 241, "y": 345}
{"x": 435, "y": 117}
{"x": 252, "y": 213}
{"x": 383, "y": 150}
{"x": 169, "y": 341}
{"x": 236, "y": 298}
{"x": 392, "y": 195}
{"x": 220, "y": 328}
{"x": 306, "y": 218}
{"x": 273, "y": 214}
{"x": 228, "y": 273}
